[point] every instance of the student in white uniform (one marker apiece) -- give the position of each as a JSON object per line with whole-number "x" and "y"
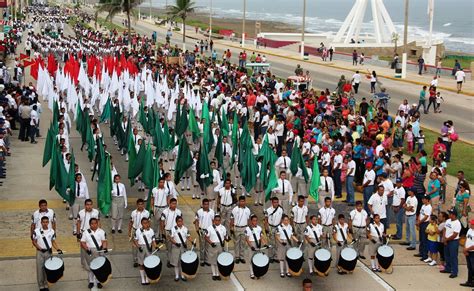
{"x": 119, "y": 204}
{"x": 342, "y": 236}
{"x": 168, "y": 221}
{"x": 273, "y": 215}
{"x": 358, "y": 220}
{"x": 378, "y": 205}
{"x": 254, "y": 239}
{"x": 326, "y": 217}
{"x": 159, "y": 201}
{"x": 376, "y": 234}
{"x": 179, "y": 236}
{"x": 81, "y": 194}
{"x": 134, "y": 224}
{"x": 284, "y": 192}
{"x": 39, "y": 214}
{"x": 216, "y": 236}
{"x": 284, "y": 236}
{"x": 94, "y": 243}
{"x": 225, "y": 202}
{"x": 299, "y": 218}
{"x": 202, "y": 221}
{"x": 82, "y": 224}
{"x": 144, "y": 241}
{"x": 313, "y": 234}
{"x": 326, "y": 188}
{"x": 239, "y": 220}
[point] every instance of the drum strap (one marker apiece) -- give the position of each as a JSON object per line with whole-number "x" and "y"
{"x": 315, "y": 235}
{"x": 342, "y": 234}
{"x": 378, "y": 232}
{"x": 218, "y": 236}
{"x": 255, "y": 237}
{"x": 45, "y": 240}
{"x": 146, "y": 241}
{"x": 94, "y": 240}
{"x": 275, "y": 210}
{"x": 286, "y": 235}
{"x": 180, "y": 237}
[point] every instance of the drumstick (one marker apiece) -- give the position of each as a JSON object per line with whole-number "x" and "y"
{"x": 194, "y": 243}
{"x": 101, "y": 251}
{"x": 157, "y": 249}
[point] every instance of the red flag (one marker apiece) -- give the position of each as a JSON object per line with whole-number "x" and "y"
{"x": 52, "y": 65}
{"x": 23, "y": 56}
{"x": 27, "y": 63}
{"x": 35, "y": 67}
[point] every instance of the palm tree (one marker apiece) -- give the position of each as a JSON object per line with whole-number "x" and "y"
{"x": 181, "y": 10}
{"x": 395, "y": 39}
{"x": 114, "y": 7}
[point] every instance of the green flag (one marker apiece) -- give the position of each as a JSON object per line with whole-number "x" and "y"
{"x": 142, "y": 117}
{"x": 106, "y": 112}
{"x": 54, "y": 166}
{"x": 272, "y": 182}
{"x": 184, "y": 160}
{"x": 297, "y": 161}
{"x": 203, "y": 168}
{"x": 193, "y": 126}
{"x": 147, "y": 173}
{"x": 219, "y": 154}
{"x": 268, "y": 159}
{"x": 158, "y": 139}
{"x": 234, "y": 137}
{"x": 168, "y": 141}
{"x": 104, "y": 187}
{"x": 224, "y": 123}
{"x": 139, "y": 161}
{"x": 132, "y": 157}
{"x": 61, "y": 181}
{"x": 48, "y": 146}
{"x": 315, "y": 181}
{"x": 151, "y": 120}
{"x": 90, "y": 140}
{"x": 55, "y": 113}
{"x": 247, "y": 164}
{"x": 71, "y": 179}
{"x": 207, "y": 138}
{"x": 181, "y": 121}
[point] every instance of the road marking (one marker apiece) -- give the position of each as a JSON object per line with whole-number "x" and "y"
{"x": 236, "y": 282}
{"x": 377, "y": 279}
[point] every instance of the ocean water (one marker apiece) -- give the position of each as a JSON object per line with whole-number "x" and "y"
{"x": 453, "y": 19}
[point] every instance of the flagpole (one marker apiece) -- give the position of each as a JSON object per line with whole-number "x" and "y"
{"x": 405, "y": 42}
{"x": 431, "y": 15}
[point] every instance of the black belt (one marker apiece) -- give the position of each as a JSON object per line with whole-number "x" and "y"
{"x": 300, "y": 222}
{"x": 227, "y": 205}
{"x": 273, "y": 225}
{"x": 327, "y": 225}
{"x": 240, "y": 226}
{"x": 44, "y": 251}
{"x": 160, "y": 206}
{"x": 359, "y": 226}
{"x": 411, "y": 215}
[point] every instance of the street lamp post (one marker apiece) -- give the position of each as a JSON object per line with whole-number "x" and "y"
{"x": 210, "y": 22}
{"x": 243, "y": 24}
{"x": 302, "y": 29}
{"x": 150, "y": 9}
{"x": 405, "y": 42}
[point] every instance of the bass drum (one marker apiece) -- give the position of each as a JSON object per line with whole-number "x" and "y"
{"x": 295, "y": 260}
{"x": 54, "y": 268}
{"x": 189, "y": 264}
{"x": 102, "y": 269}
{"x": 260, "y": 264}
{"x": 385, "y": 255}
{"x": 225, "y": 264}
{"x": 152, "y": 265}
{"x": 347, "y": 260}
{"x": 322, "y": 262}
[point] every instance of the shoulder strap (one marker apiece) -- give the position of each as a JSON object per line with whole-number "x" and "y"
{"x": 93, "y": 239}
{"x": 275, "y": 210}
{"x": 180, "y": 237}
{"x": 286, "y": 234}
{"x": 377, "y": 230}
{"x": 255, "y": 237}
{"x": 218, "y": 236}
{"x": 342, "y": 233}
{"x": 45, "y": 240}
{"x": 148, "y": 246}
{"x": 315, "y": 235}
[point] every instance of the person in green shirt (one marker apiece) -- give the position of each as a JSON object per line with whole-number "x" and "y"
{"x": 422, "y": 100}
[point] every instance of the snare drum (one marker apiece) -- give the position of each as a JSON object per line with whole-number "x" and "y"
{"x": 295, "y": 260}
{"x": 152, "y": 265}
{"x": 260, "y": 264}
{"x": 322, "y": 261}
{"x": 189, "y": 264}
{"x": 54, "y": 268}
{"x": 347, "y": 259}
{"x": 385, "y": 255}
{"x": 225, "y": 263}
{"x": 101, "y": 268}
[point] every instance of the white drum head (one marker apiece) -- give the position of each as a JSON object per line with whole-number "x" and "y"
{"x": 323, "y": 255}
{"x": 225, "y": 259}
{"x": 151, "y": 261}
{"x": 189, "y": 257}
{"x": 385, "y": 251}
{"x": 53, "y": 263}
{"x": 294, "y": 253}
{"x": 260, "y": 260}
{"x": 97, "y": 263}
{"x": 349, "y": 254}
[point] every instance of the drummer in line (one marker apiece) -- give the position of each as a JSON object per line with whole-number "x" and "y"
{"x": 313, "y": 234}
{"x": 358, "y": 224}
{"x": 254, "y": 238}
{"x": 375, "y": 233}
{"x": 284, "y": 236}
{"x": 178, "y": 239}
{"x": 341, "y": 235}
{"x": 215, "y": 235}
{"x": 273, "y": 216}
{"x": 44, "y": 238}
{"x": 144, "y": 241}
{"x": 326, "y": 219}
{"x": 134, "y": 224}
{"x": 94, "y": 242}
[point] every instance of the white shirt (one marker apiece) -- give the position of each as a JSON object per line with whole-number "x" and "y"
{"x": 460, "y": 75}
{"x": 327, "y": 215}
{"x": 171, "y": 187}
{"x": 351, "y": 166}
{"x": 122, "y": 192}
{"x": 325, "y": 159}
{"x": 137, "y": 216}
{"x": 299, "y": 214}
{"x": 425, "y": 210}
{"x": 398, "y": 195}
{"x": 279, "y": 129}
{"x": 160, "y": 197}
{"x": 387, "y": 187}
{"x": 226, "y": 150}
{"x": 250, "y": 232}
{"x": 274, "y": 215}
{"x": 379, "y": 204}
{"x": 48, "y": 234}
{"x": 205, "y": 218}
{"x": 358, "y": 218}
{"x": 311, "y": 229}
{"x": 284, "y": 187}
{"x": 99, "y": 235}
{"x": 83, "y": 191}
{"x": 337, "y": 162}
{"x": 356, "y": 78}
{"x": 369, "y": 175}
{"x": 176, "y": 231}
{"x": 373, "y": 231}
{"x": 212, "y": 230}
{"x": 141, "y": 233}
{"x": 37, "y": 215}
{"x": 330, "y": 185}
{"x": 283, "y": 164}
{"x": 281, "y": 229}
{"x": 469, "y": 239}
{"x": 411, "y": 201}
{"x": 169, "y": 217}
{"x": 226, "y": 196}
{"x": 84, "y": 216}
{"x": 337, "y": 230}
{"x": 240, "y": 216}
{"x": 451, "y": 227}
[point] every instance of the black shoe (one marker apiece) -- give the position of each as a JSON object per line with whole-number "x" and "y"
{"x": 214, "y": 278}
{"x": 202, "y": 264}
{"x": 362, "y": 257}
{"x": 242, "y": 261}
{"x": 341, "y": 272}
{"x": 207, "y": 264}
{"x": 119, "y": 231}
{"x": 113, "y": 231}
{"x": 444, "y": 271}
{"x": 467, "y": 284}
{"x": 176, "y": 279}
{"x": 396, "y": 238}
{"x": 183, "y": 279}
{"x": 237, "y": 261}
{"x": 99, "y": 286}
{"x": 404, "y": 243}
{"x": 218, "y": 278}
{"x": 422, "y": 259}
{"x": 411, "y": 248}
{"x": 169, "y": 265}
{"x": 417, "y": 255}
{"x": 288, "y": 275}
{"x": 452, "y": 276}
{"x": 253, "y": 277}
{"x": 135, "y": 265}
{"x": 90, "y": 286}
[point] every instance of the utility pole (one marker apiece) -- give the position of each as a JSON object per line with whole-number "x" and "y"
{"x": 405, "y": 42}
{"x": 243, "y": 24}
{"x": 302, "y": 29}
{"x": 150, "y": 9}
{"x": 210, "y": 22}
